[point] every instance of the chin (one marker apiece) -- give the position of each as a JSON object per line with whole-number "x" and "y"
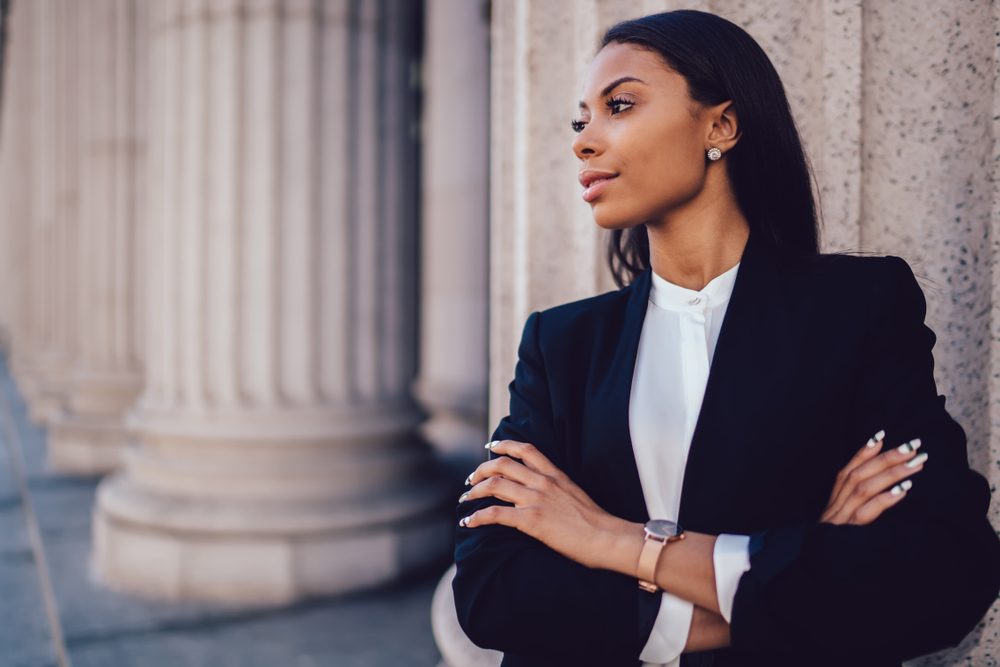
{"x": 612, "y": 221}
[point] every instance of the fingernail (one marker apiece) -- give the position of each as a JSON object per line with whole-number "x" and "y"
{"x": 916, "y": 460}
{"x": 491, "y": 444}
{"x": 902, "y": 486}
{"x": 468, "y": 480}
{"x": 464, "y": 521}
{"x": 875, "y": 438}
{"x": 462, "y": 497}
{"x": 910, "y": 446}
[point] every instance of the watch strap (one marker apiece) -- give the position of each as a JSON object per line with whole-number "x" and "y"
{"x": 648, "y": 558}
{"x": 652, "y": 549}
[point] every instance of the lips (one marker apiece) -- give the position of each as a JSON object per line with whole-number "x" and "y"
{"x": 594, "y": 182}
{"x": 589, "y": 176}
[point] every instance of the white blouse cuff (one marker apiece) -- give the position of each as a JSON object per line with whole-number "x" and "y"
{"x": 731, "y": 557}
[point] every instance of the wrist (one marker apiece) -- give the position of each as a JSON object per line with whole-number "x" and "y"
{"x": 623, "y": 546}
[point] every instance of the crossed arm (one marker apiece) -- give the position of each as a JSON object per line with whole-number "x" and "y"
{"x": 686, "y": 567}
{"x": 909, "y": 584}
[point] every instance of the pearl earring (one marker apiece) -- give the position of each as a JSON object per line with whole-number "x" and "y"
{"x": 714, "y": 153}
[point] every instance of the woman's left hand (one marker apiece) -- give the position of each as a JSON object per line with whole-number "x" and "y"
{"x": 548, "y": 505}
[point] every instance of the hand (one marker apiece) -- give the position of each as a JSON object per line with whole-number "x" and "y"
{"x": 859, "y": 494}
{"x": 548, "y": 505}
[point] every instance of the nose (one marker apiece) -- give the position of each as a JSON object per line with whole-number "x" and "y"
{"x": 585, "y": 143}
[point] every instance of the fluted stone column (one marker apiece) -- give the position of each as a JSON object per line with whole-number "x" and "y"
{"x": 454, "y": 225}
{"x": 454, "y": 297}
{"x": 89, "y": 434}
{"x": 58, "y": 180}
{"x": 896, "y": 106}
{"x": 275, "y": 454}
{"x": 42, "y": 250}
{"x": 13, "y": 144}
{"x": 22, "y": 159}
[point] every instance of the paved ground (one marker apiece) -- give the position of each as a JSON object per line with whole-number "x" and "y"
{"x": 99, "y": 628}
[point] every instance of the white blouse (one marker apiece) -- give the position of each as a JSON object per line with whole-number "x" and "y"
{"x": 675, "y": 352}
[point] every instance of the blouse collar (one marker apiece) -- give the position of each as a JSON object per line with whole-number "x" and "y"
{"x": 666, "y": 294}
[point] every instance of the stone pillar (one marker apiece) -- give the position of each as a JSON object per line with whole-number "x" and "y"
{"x": 454, "y": 291}
{"x": 12, "y": 144}
{"x": 43, "y": 257}
{"x": 89, "y": 434}
{"x": 22, "y": 157}
{"x": 276, "y": 454}
{"x": 455, "y": 226}
{"x": 58, "y": 180}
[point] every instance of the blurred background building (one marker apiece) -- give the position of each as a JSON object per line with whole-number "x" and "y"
{"x": 264, "y": 263}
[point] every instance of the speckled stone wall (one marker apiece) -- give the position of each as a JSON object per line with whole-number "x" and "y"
{"x": 897, "y": 109}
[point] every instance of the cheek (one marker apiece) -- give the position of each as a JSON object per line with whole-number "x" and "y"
{"x": 659, "y": 178}
{"x": 661, "y": 170}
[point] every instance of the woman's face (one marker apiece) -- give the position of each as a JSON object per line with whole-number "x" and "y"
{"x": 644, "y": 132}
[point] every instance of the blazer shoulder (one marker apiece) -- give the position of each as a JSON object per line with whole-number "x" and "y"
{"x": 592, "y": 309}
{"x": 844, "y": 263}
{"x": 845, "y": 273}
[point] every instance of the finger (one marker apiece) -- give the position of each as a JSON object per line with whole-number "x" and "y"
{"x": 494, "y": 514}
{"x": 869, "y": 450}
{"x": 859, "y": 475}
{"x": 506, "y": 467}
{"x": 530, "y": 455}
{"x": 504, "y": 489}
{"x": 874, "y": 508}
{"x": 887, "y": 459}
{"x": 864, "y": 489}
{"x": 875, "y": 485}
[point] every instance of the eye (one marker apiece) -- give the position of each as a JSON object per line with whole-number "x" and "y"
{"x": 614, "y": 102}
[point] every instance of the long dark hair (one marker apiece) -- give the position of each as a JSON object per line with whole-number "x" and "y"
{"x": 767, "y": 167}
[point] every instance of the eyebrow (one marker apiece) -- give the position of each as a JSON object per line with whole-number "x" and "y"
{"x": 614, "y": 84}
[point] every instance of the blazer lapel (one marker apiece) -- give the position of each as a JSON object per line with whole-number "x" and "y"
{"x": 606, "y": 439}
{"x": 756, "y": 334}
{"x": 757, "y": 343}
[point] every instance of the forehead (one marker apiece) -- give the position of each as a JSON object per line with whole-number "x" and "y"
{"x": 617, "y": 60}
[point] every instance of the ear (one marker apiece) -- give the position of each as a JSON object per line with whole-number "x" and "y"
{"x": 724, "y": 130}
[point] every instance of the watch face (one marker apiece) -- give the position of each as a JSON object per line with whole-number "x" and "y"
{"x": 662, "y": 528}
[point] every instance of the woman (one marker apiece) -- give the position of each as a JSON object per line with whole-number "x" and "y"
{"x": 814, "y": 533}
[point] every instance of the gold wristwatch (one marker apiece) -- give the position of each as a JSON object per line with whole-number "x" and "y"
{"x": 659, "y": 533}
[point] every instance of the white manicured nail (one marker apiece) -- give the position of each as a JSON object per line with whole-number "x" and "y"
{"x": 916, "y": 460}
{"x": 491, "y": 444}
{"x": 903, "y": 486}
{"x": 875, "y": 438}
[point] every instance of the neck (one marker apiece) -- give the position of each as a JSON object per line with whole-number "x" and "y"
{"x": 690, "y": 247}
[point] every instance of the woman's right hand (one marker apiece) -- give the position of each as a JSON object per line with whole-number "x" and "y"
{"x": 862, "y": 490}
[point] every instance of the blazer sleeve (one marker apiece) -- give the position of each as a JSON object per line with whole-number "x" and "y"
{"x": 917, "y": 579}
{"x": 515, "y": 594}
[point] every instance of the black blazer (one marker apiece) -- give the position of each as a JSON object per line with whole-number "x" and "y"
{"x": 814, "y": 356}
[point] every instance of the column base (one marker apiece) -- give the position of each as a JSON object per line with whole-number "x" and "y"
{"x": 457, "y": 416}
{"x": 81, "y": 445}
{"x": 46, "y": 407}
{"x": 46, "y": 394}
{"x": 264, "y": 552}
